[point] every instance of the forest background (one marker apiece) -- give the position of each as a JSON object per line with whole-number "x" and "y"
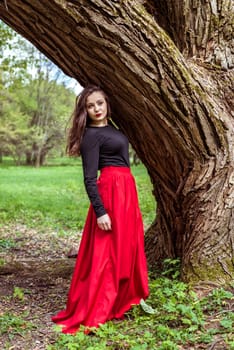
{"x": 36, "y": 100}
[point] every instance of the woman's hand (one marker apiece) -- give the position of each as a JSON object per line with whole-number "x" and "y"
{"x": 104, "y": 222}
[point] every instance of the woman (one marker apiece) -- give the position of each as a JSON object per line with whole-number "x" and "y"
{"x": 110, "y": 273}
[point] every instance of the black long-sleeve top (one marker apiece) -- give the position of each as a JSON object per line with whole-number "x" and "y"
{"x": 100, "y": 147}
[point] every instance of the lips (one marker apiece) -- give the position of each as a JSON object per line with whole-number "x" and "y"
{"x": 98, "y": 115}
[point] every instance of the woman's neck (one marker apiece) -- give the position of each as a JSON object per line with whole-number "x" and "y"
{"x": 98, "y": 125}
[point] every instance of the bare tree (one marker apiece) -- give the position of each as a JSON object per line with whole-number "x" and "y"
{"x": 168, "y": 66}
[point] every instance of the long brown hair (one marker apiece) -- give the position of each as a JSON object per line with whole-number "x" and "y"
{"x": 80, "y": 119}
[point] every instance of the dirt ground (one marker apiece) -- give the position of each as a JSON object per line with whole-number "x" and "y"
{"x": 39, "y": 266}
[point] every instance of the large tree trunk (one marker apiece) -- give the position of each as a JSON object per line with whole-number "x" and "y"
{"x": 154, "y": 58}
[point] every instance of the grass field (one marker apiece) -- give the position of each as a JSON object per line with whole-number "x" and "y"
{"x": 54, "y": 196}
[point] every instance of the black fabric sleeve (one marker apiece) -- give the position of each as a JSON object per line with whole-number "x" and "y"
{"x": 90, "y": 159}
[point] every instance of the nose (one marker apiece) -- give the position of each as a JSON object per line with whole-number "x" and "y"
{"x": 96, "y": 108}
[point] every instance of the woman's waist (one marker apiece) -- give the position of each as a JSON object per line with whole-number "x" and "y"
{"x": 115, "y": 169}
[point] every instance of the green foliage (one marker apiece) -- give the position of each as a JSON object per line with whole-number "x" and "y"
{"x": 33, "y": 119}
{"x": 7, "y": 243}
{"x": 34, "y": 102}
{"x": 171, "y": 268}
{"x": 178, "y": 318}
{"x": 2, "y": 262}
{"x": 217, "y": 298}
{"x": 18, "y": 293}
{"x": 5, "y": 37}
{"x": 12, "y": 325}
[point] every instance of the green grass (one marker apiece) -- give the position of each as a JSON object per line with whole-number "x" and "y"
{"x": 54, "y": 196}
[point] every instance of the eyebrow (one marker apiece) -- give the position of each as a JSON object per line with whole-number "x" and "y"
{"x": 91, "y": 103}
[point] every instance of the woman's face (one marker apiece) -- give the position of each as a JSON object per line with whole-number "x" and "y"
{"x": 97, "y": 109}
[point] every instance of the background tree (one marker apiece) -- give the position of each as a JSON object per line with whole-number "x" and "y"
{"x": 168, "y": 66}
{"x": 35, "y": 103}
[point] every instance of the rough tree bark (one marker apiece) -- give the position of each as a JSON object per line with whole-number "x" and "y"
{"x": 168, "y": 67}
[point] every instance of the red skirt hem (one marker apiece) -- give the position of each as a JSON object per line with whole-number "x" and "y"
{"x": 65, "y": 330}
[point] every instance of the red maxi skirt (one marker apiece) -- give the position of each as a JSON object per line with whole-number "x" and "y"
{"x": 110, "y": 273}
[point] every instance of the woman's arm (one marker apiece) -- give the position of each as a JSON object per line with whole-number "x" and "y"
{"x": 90, "y": 149}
